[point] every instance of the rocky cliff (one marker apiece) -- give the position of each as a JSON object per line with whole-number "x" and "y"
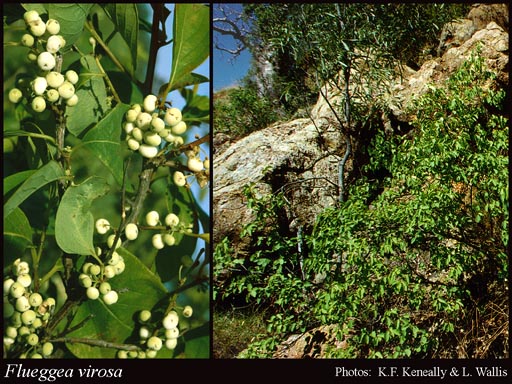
{"x": 300, "y": 157}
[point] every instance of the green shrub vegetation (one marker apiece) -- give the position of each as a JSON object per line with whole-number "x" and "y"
{"x": 414, "y": 263}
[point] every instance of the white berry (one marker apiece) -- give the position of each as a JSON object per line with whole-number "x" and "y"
{"x": 31, "y": 16}
{"x": 172, "y": 116}
{"x": 157, "y": 124}
{"x": 52, "y": 26}
{"x": 54, "y": 44}
{"x": 28, "y": 317}
{"x": 171, "y": 343}
{"x": 72, "y": 76}
{"x": 38, "y": 104}
{"x": 149, "y": 103}
{"x": 187, "y": 311}
{"x": 170, "y": 320}
{"x": 143, "y": 120}
{"x": 22, "y": 304}
{"x": 46, "y": 61}
{"x": 27, "y": 40}
{"x": 133, "y": 144}
{"x": 157, "y": 241}
{"x": 39, "y": 85}
{"x": 35, "y": 299}
{"x": 179, "y": 128}
{"x": 110, "y": 298}
{"x": 110, "y": 241}
{"x": 172, "y": 220}
{"x": 47, "y": 349}
{"x": 72, "y": 101}
{"x": 93, "y": 293}
{"x": 105, "y": 288}
{"x": 179, "y": 179}
{"x": 15, "y": 95}
{"x": 32, "y": 339}
{"x": 152, "y": 218}
{"x": 102, "y": 226}
{"x": 154, "y": 343}
{"x": 66, "y": 90}
{"x": 52, "y": 95}
{"x": 37, "y": 28}
{"x": 24, "y": 280}
{"x": 131, "y": 231}
{"x": 172, "y": 333}
{"x": 169, "y": 239}
{"x": 194, "y": 164}
{"x": 144, "y": 315}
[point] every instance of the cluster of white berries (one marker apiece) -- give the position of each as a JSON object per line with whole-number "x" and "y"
{"x": 166, "y": 237}
{"x": 26, "y": 312}
{"x": 147, "y": 126}
{"x": 153, "y": 337}
{"x": 95, "y": 277}
{"x": 49, "y": 85}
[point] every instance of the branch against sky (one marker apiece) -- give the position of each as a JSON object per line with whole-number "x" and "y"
{"x": 229, "y": 20}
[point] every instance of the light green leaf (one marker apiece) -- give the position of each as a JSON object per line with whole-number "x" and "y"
{"x": 103, "y": 140}
{"x": 49, "y": 172}
{"x": 126, "y": 20}
{"x": 74, "y": 223}
{"x": 197, "y": 343}
{"x": 72, "y": 17}
{"x": 17, "y": 233}
{"x": 93, "y": 99}
{"x": 138, "y": 288}
{"x": 191, "y": 44}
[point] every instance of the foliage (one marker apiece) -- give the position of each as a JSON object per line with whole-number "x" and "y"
{"x": 75, "y": 194}
{"x": 409, "y": 261}
{"x": 240, "y": 111}
{"x": 312, "y": 43}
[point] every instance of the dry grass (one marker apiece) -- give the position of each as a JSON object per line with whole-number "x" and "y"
{"x": 233, "y": 330}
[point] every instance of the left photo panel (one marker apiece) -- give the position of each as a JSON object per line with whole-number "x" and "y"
{"x": 106, "y": 125}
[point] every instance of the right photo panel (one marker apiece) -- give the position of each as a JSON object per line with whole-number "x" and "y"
{"x": 360, "y": 181}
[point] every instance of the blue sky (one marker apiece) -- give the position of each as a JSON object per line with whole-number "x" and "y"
{"x": 227, "y": 69}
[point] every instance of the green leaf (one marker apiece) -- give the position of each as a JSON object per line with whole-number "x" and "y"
{"x": 190, "y": 79}
{"x": 103, "y": 140}
{"x": 12, "y": 181}
{"x": 197, "y": 108}
{"x": 71, "y": 17}
{"x": 49, "y": 172}
{"x": 191, "y": 44}
{"x": 126, "y": 20}
{"x": 197, "y": 342}
{"x": 74, "y": 223}
{"x": 17, "y": 233}
{"x": 93, "y": 99}
{"x": 138, "y": 288}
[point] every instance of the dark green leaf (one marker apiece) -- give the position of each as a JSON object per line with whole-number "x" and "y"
{"x": 126, "y": 20}
{"x": 190, "y": 79}
{"x": 17, "y": 232}
{"x": 138, "y": 288}
{"x": 103, "y": 140}
{"x": 49, "y": 172}
{"x": 12, "y": 181}
{"x": 71, "y": 17}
